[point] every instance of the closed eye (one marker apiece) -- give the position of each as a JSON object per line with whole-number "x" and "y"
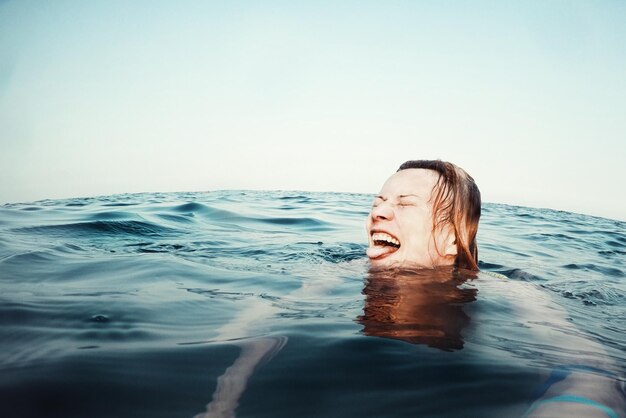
{"x": 408, "y": 200}
{"x": 403, "y": 201}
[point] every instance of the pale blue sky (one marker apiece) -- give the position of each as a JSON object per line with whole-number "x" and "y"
{"x": 101, "y": 97}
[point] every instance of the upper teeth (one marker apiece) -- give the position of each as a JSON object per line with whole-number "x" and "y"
{"x": 381, "y": 236}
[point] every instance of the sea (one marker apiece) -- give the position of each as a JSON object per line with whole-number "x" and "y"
{"x": 263, "y": 304}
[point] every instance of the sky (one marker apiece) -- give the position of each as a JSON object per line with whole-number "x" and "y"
{"x": 105, "y": 97}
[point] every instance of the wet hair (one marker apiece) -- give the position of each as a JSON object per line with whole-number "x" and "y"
{"x": 456, "y": 202}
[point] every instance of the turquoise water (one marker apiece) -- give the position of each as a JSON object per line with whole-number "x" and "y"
{"x": 156, "y": 304}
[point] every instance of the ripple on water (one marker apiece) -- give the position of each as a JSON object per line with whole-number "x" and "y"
{"x": 519, "y": 274}
{"x": 611, "y": 253}
{"x": 192, "y": 207}
{"x": 610, "y": 271}
{"x": 120, "y": 204}
{"x": 619, "y": 244}
{"x": 341, "y": 253}
{"x": 183, "y": 219}
{"x": 97, "y": 228}
{"x": 21, "y": 264}
{"x": 299, "y": 198}
{"x": 310, "y": 224}
{"x": 31, "y": 208}
{"x": 206, "y": 212}
{"x": 113, "y": 215}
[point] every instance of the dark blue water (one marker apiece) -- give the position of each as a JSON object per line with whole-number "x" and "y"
{"x": 261, "y": 304}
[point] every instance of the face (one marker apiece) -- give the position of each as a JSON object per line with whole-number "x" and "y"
{"x": 400, "y": 225}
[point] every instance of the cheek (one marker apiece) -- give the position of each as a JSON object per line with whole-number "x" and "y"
{"x": 418, "y": 235}
{"x": 415, "y": 224}
{"x": 417, "y": 243}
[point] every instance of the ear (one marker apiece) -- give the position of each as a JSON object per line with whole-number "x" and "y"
{"x": 449, "y": 243}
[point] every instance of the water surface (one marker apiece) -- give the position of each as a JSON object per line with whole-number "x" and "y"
{"x": 140, "y": 305}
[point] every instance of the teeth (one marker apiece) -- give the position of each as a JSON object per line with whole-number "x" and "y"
{"x": 381, "y": 236}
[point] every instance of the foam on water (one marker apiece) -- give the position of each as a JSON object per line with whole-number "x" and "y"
{"x": 140, "y": 305}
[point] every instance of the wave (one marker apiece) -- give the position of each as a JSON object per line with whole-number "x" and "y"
{"x": 97, "y": 228}
{"x": 609, "y": 271}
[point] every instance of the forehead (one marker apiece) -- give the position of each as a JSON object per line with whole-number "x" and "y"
{"x": 417, "y": 181}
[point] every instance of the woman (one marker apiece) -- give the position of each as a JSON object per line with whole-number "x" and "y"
{"x": 426, "y": 217}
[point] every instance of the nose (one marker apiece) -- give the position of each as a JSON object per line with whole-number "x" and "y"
{"x": 382, "y": 212}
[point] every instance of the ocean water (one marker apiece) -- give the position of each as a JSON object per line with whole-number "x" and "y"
{"x": 262, "y": 304}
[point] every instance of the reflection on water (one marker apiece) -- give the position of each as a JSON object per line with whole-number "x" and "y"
{"x": 418, "y": 306}
{"x": 232, "y": 384}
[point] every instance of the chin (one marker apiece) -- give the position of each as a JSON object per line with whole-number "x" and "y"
{"x": 395, "y": 263}
{"x": 386, "y": 262}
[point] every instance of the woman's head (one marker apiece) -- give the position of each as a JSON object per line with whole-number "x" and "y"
{"x": 425, "y": 215}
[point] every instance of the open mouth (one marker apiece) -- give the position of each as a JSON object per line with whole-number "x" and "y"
{"x": 384, "y": 244}
{"x": 384, "y": 239}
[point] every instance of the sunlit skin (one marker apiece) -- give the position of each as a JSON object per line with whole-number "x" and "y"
{"x": 403, "y": 210}
{"x": 421, "y": 306}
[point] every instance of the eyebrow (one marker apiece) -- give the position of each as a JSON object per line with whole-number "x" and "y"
{"x": 402, "y": 196}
